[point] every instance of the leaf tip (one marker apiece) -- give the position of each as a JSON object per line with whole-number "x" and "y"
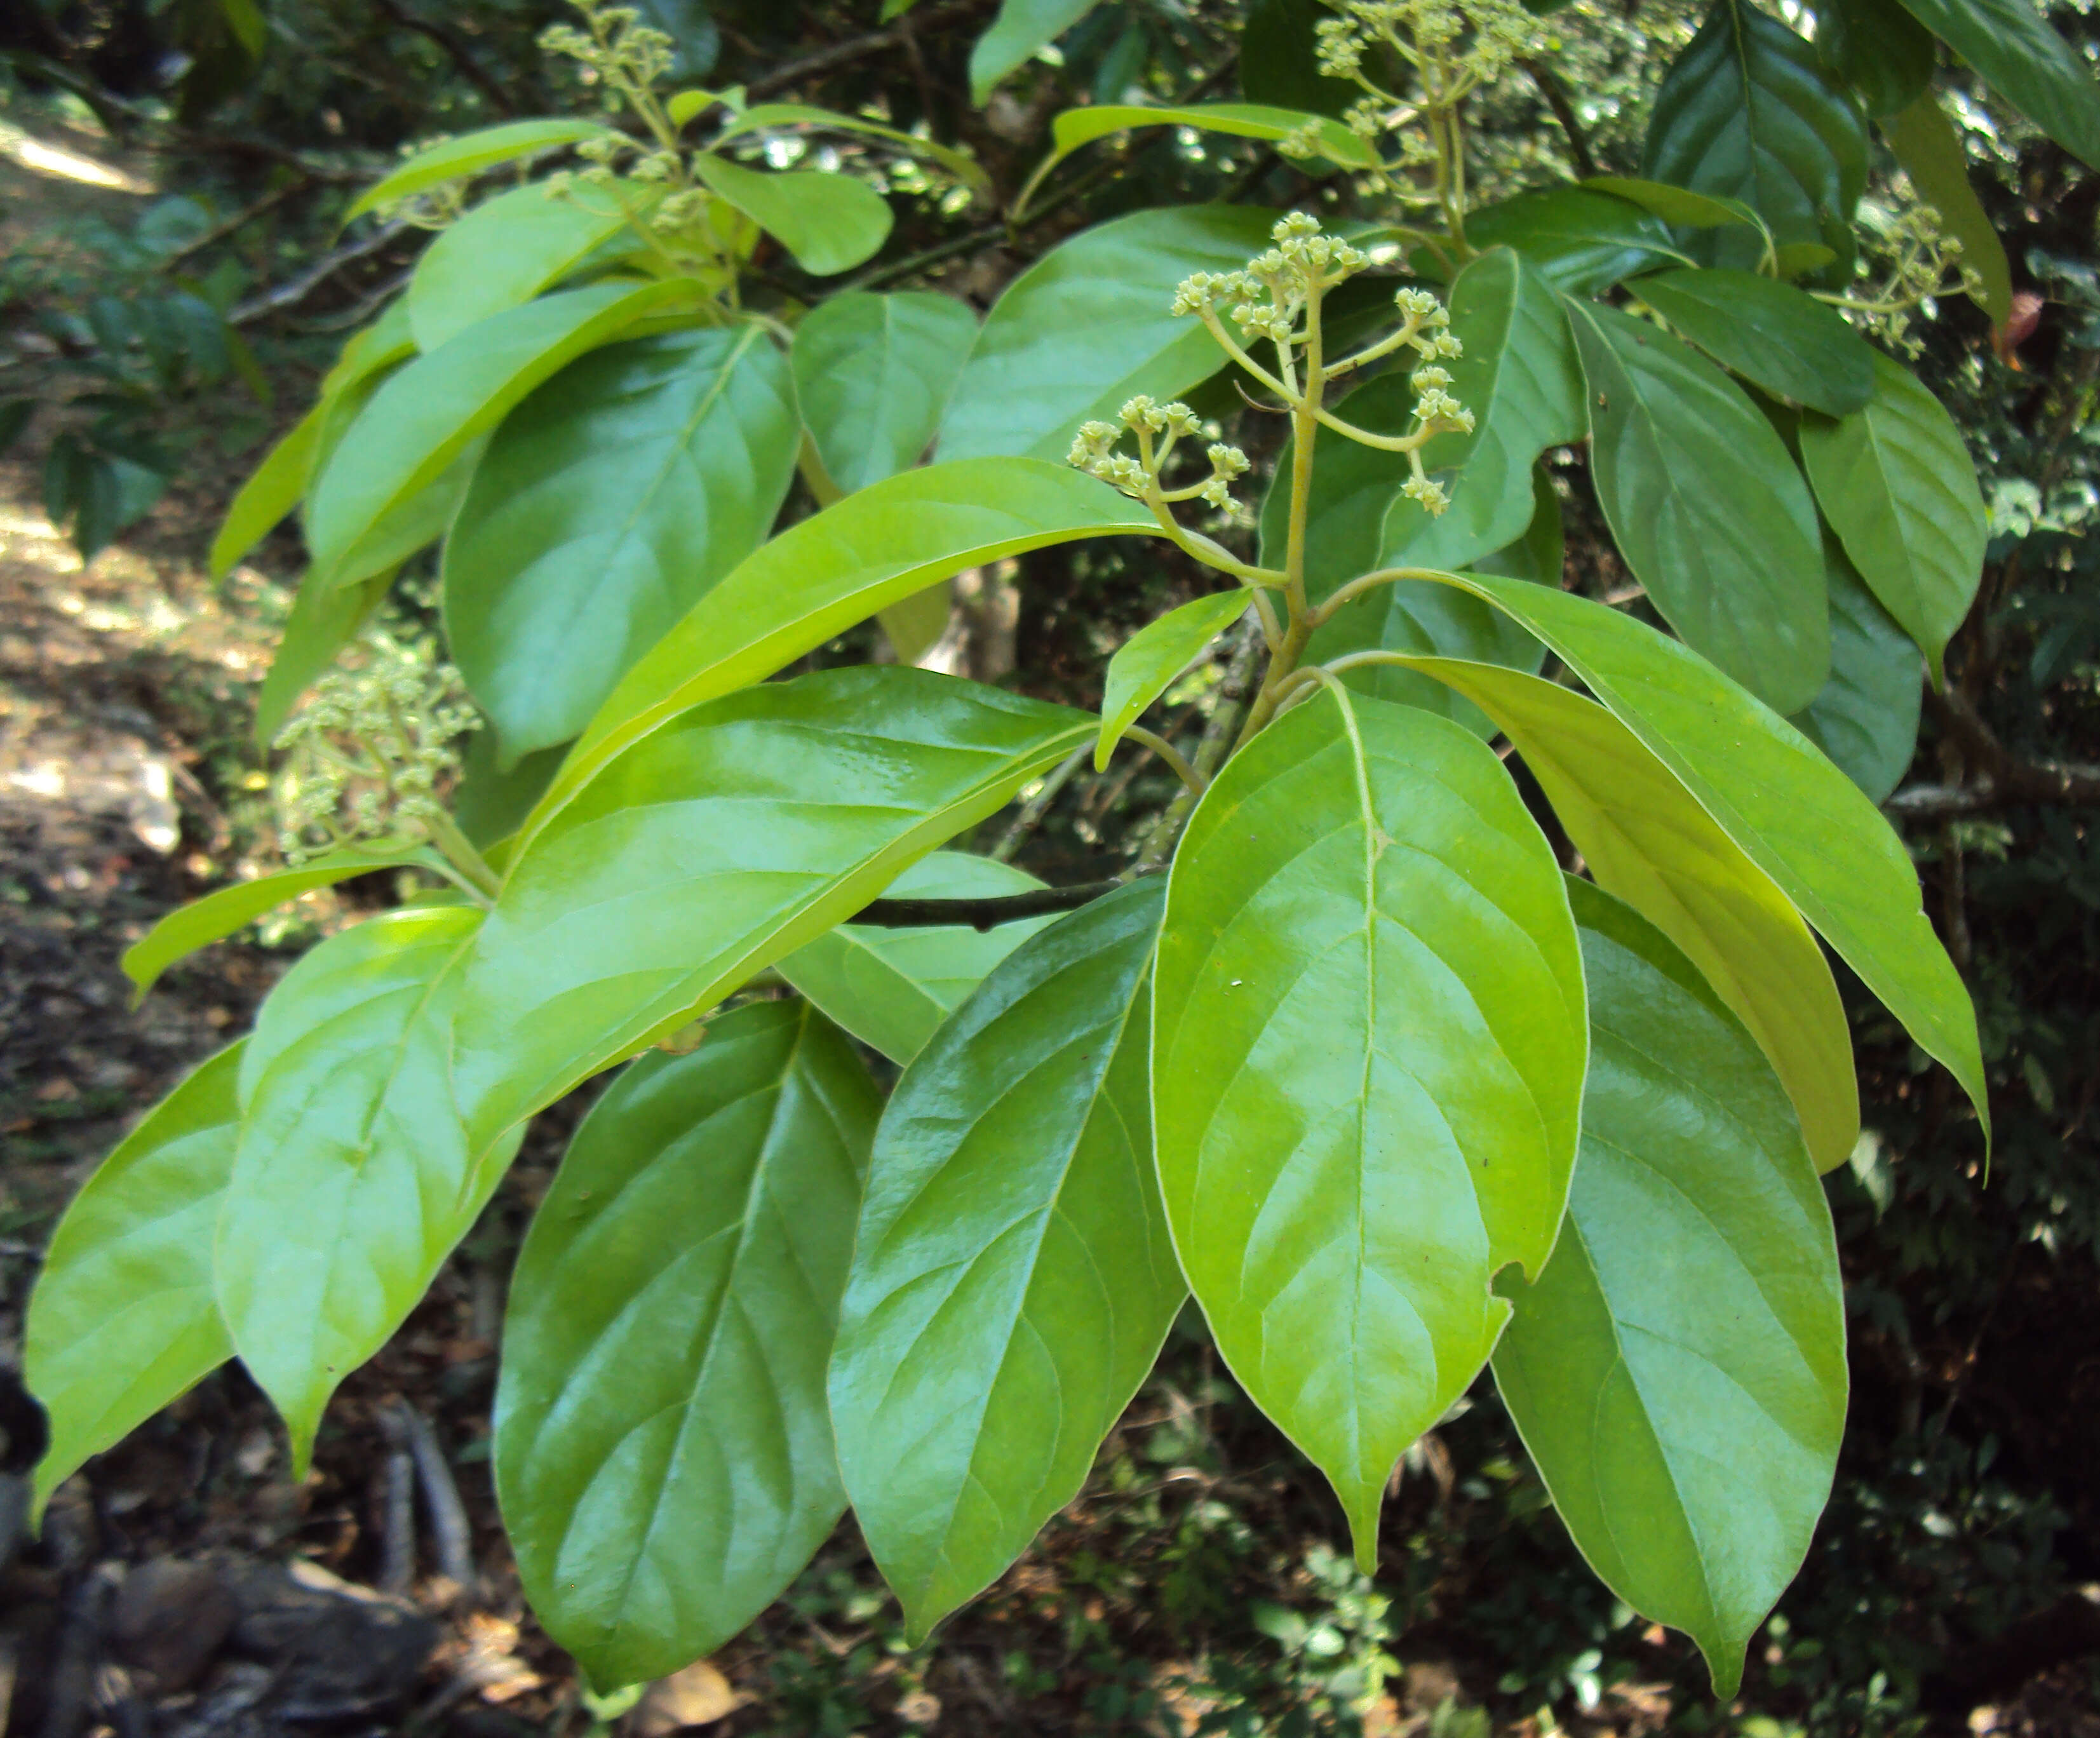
{"x": 1724, "y": 1666}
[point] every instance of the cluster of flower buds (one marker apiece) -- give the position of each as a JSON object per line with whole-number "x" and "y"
{"x": 1157, "y": 427}
{"x": 1923, "y": 261}
{"x": 1268, "y": 297}
{"x": 617, "y": 46}
{"x": 364, "y": 757}
{"x": 1468, "y": 43}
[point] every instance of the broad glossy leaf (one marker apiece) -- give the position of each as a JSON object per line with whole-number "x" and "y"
{"x": 352, "y": 1178}
{"x": 1748, "y": 112}
{"x": 1866, "y": 717}
{"x": 1022, "y": 27}
{"x": 386, "y": 341}
{"x": 418, "y": 520}
{"x": 1646, "y": 839}
{"x": 718, "y": 845}
{"x": 1520, "y": 378}
{"x": 828, "y": 221}
{"x": 1011, "y": 1278}
{"x": 470, "y": 154}
{"x": 269, "y": 495}
{"x": 1794, "y": 814}
{"x": 607, "y": 506}
{"x": 1677, "y": 205}
{"x": 1924, "y": 144}
{"x": 122, "y": 1319}
{"x": 1087, "y": 325}
{"x": 891, "y": 988}
{"x": 217, "y": 914}
{"x": 509, "y": 248}
{"x": 2024, "y": 60}
{"x": 325, "y": 619}
{"x": 662, "y": 1452}
{"x": 762, "y": 116}
{"x": 1677, "y": 1372}
{"x": 1705, "y": 505}
{"x": 1773, "y": 335}
{"x": 1076, "y": 127}
{"x": 1895, "y": 482}
{"x": 1367, "y": 1069}
{"x": 873, "y": 374}
{"x": 838, "y": 567}
{"x": 1878, "y": 49}
{"x": 1578, "y": 240}
{"x": 1148, "y": 662}
{"x": 426, "y": 415}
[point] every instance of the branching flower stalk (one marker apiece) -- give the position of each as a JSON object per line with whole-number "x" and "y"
{"x": 1923, "y": 262}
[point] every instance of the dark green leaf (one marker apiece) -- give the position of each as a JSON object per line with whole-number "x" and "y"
{"x": 1580, "y": 241}
{"x": 1677, "y": 205}
{"x": 827, "y": 220}
{"x": 1705, "y": 504}
{"x": 1773, "y": 335}
{"x": 491, "y": 803}
{"x": 1878, "y": 49}
{"x": 1012, "y": 1278}
{"x": 607, "y": 504}
{"x": 1148, "y": 662}
{"x": 1077, "y": 127}
{"x": 2026, "y": 62}
{"x": 1924, "y": 144}
{"x": 662, "y": 1453}
{"x": 874, "y": 373}
{"x": 1278, "y": 60}
{"x": 1022, "y": 27}
{"x": 762, "y": 116}
{"x": 1866, "y": 717}
{"x": 1367, "y": 1069}
{"x": 471, "y": 153}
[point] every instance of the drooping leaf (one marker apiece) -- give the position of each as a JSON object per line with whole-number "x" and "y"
{"x": 1794, "y": 814}
{"x": 873, "y": 374}
{"x": 425, "y": 416}
{"x": 325, "y": 619}
{"x": 1013, "y": 1278}
{"x": 2024, "y": 60}
{"x": 1896, "y": 484}
{"x": 268, "y": 496}
{"x": 838, "y": 567}
{"x": 662, "y": 1450}
{"x": 1578, "y": 240}
{"x": 1924, "y": 144}
{"x": 1677, "y": 1371}
{"x": 218, "y": 915}
{"x": 1647, "y": 841}
{"x": 607, "y": 506}
{"x": 891, "y": 988}
{"x": 1022, "y": 27}
{"x": 828, "y": 221}
{"x": 1878, "y": 49}
{"x": 1367, "y": 1069}
{"x": 122, "y": 1319}
{"x": 1148, "y": 662}
{"x": 1773, "y": 335}
{"x": 717, "y": 845}
{"x": 763, "y": 117}
{"x": 1748, "y": 112}
{"x": 509, "y": 248}
{"x": 352, "y": 1178}
{"x": 1677, "y": 205}
{"x": 470, "y": 154}
{"x": 1866, "y": 717}
{"x": 1031, "y": 381}
{"x": 1705, "y": 505}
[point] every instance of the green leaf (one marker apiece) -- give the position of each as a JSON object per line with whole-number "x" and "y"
{"x": 1895, "y": 482}
{"x": 874, "y": 374}
{"x": 1866, "y": 717}
{"x": 378, "y": 347}
{"x": 1798, "y": 260}
{"x": 828, "y": 221}
{"x": 1704, "y": 503}
{"x": 662, "y": 1453}
{"x": 914, "y": 625}
{"x": 490, "y": 802}
{"x": 1149, "y": 660}
{"x": 1077, "y": 127}
{"x": 1794, "y": 814}
{"x": 325, "y": 619}
{"x": 1022, "y": 28}
{"x": 471, "y": 153}
{"x": 1012, "y": 1278}
{"x": 766, "y": 116}
{"x": 891, "y": 988}
{"x": 269, "y": 495}
{"x": 1367, "y": 1069}
{"x": 1087, "y": 325}
{"x": 1773, "y": 335}
{"x": 717, "y": 845}
{"x": 1924, "y": 144}
{"x": 1677, "y": 1372}
{"x": 1878, "y": 49}
{"x": 1748, "y": 112}
{"x": 1520, "y": 378}
{"x": 606, "y": 507}
{"x": 412, "y": 524}
{"x": 352, "y": 1178}
{"x": 122, "y": 1319}
{"x": 1647, "y": 841}
{"x": 218, "y": 915}
{"x": 838, "y": 567}
{"x": 425, "y": 416}
{"x": 1677, "y": 205}
{"x": 509, "y": 248}
{"x": 1279, "y": 59}
{"x": 2026, "y": 62}
{"x": 1579, "y": 240}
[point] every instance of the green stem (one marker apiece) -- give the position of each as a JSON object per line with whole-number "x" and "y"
{"x": 1347, "y": 594}
{"x": 1177, "y": 761}
{"x": 474, "y": 872}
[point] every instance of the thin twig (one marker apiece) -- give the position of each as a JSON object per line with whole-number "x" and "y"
{"x": 452, "y": 1535}
{"x": 463, "y": 57}
{"x": 240, "y": 220}
{"x": 1564, "y": 112}
{"x": 397, "y": 1520}
{"x": 2003, "y": 780}
{"x": 1217, "y": 734}
{"x": 293, "y": 292}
